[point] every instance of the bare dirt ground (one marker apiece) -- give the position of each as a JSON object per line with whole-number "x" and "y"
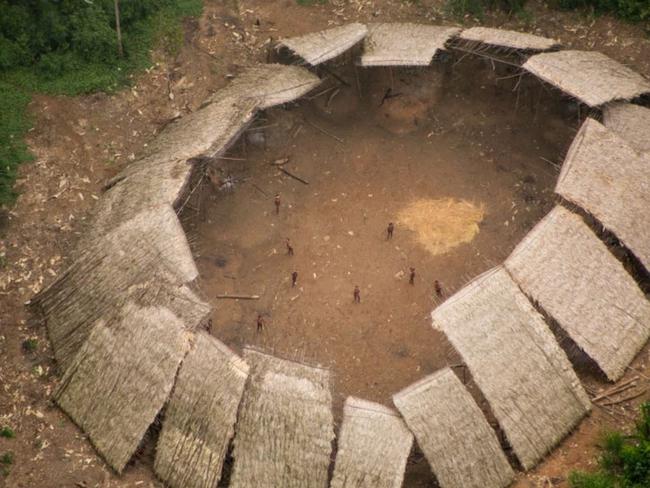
{"x": 79, "y": 142}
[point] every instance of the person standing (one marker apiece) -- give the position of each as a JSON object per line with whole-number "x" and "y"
{"x": 438, "y": 288}
{"x": 294, "y": 278}
{"x": 412, "y": 276}
{"x": 277, "y": 201}
{"x": 389, "y": 231}
{"x": 357, "y": 294}
{"x": 289, "y": 247}
{"x": 260, "y": 322}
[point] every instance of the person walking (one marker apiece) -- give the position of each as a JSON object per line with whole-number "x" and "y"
{"x": 412, "y": 276}
{"x": 289, "y": 247}
{"x": 277, "y": 201}
{"x": 389, "y": 231}
{"x": 357, "y": 294}
{"x": 294, "y": 278}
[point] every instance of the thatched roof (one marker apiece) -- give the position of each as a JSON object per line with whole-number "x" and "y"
{"x": 606, "y": 177}
{"x": 404, "y": 44}
{"x": 285, "y": 426}
{"x": 199, "y": 420}
{"x": 631, "y": 122}
{"x": 453, "y": 433}
{"x": 146, "y": 260}
{"x": 273, "y": 84}
{"x": 589, "y": 76}
{"x": 373, "y": 446}
{"x": 508, "y": 39}
{"x": 163, "y": 175}
{"x": 515, "y": 361}
{"x": 121, "y": 377}
{"x": 318, "y": 47}
{"x": 563, "y": 266}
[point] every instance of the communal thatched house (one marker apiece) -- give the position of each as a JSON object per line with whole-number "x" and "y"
{"x": 450, "y": 428}
{"x": 200, "y": 417}
{"x": 515, "y": 361}
{"x": 317, "y": 47}
{"x": 285, "y": 427}
{"x": 403, "y": 44}
{"x": 605, "y": 176}
{"x": 373, "y": 446}
{"x": 589, "y": 76}
{"x": 562, "y": 265}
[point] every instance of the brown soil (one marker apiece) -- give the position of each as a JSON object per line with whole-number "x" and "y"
{"x": 79, "y": 142}
{"x": 461, "y": 192}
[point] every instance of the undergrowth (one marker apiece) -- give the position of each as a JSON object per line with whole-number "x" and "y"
{"x": 70, "y": 47}
{"x": 624, "y": 462}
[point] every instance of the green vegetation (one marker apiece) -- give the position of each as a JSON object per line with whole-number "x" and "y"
{"x": 633, "y": 10}
{"x": 310, "y": 2}
{"x": 71, "y": 47}
{"x": 7, "y": 432}
{"x": 6, "y": 460}
{"x": 30, "y": 345}
{"x": 476, "y": 8}
{"x": 625, "y": 461}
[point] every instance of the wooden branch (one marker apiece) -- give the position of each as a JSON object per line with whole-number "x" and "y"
{"x": 624, "y": 399}
{"x": 239, "y": 297}
{"x": 288, "y": 173}
{"x": 338, "y": 139}
{"x": 614, "y": 389}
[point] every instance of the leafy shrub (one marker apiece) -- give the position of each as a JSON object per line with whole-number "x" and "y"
{"x": 7, "y": 432}
{"x": 628, "y": 9}
{"x": 30, "y": 345}
{"x": 625, "y": 461}
{"x": 476, "y": 8}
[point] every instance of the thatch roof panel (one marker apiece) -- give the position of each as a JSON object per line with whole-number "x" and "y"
{"x": 373, "y": 446}
{"x": 589, "y": 76}
{"x": 285, "y": 426}
{"x": 275, "y": 84}
{"x": 563, "y": 266}
{"x": 121, "y": 377}
{"x": 200, "y": 417}
{"x": 606, "y": 177}
{"x": 508, "y": 39}
{"x": 403, "y": 44}
{"x": 631, "y": 122}
{"x": 146, "y": 259}
{"x": 318, "y": 47}
{"x": 453, "y": 433}
{"x": 493, "y": 326}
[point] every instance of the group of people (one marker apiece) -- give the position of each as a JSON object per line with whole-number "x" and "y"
{"x": 356, "y": 294}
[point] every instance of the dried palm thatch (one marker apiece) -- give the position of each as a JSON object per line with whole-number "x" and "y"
{"x": 606, "y": 177}
{"x": 284, "y": 431}
{"x": 318, "y": 47}
{"x": 493, "y": 326}
{"x": 163, "y": 175}
{"x": 273, "y": 84}
{"x": 405, "y": 44}
{"x": 502, "y": 38}
{"x": 589, "y": 76}
{"x": 373, "y": 446}
{"x": 563, "y": 266}
{"x": 122, "y": 376}
{"x": 200, "y": 418}
{"x": 454, "y": 435}
{"x": 631, "y": 122}
{"x": 146, "y": 260}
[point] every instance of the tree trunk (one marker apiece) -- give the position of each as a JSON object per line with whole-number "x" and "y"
{"x": 120, "y": 50}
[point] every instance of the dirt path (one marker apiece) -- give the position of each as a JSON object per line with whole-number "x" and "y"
{"x": 82, "y": 141}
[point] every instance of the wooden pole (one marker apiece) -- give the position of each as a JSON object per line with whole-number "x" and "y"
{"x": 120, "y": 49}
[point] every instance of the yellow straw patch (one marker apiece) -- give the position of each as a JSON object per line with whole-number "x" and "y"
{"x": 440, "y": 225}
